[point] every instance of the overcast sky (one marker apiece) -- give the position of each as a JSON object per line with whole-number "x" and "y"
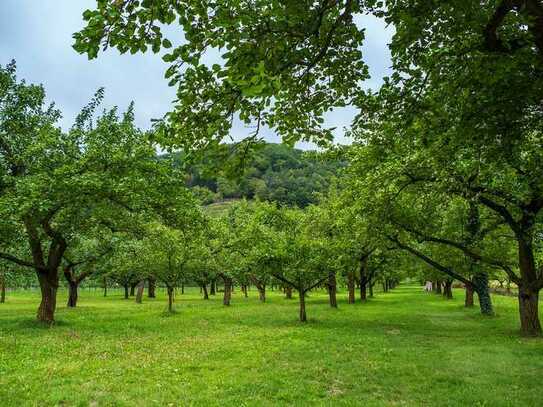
{"x": 38, "y": 35}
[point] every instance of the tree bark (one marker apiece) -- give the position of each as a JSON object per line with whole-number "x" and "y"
{"x": 480, "y": 285}
{"x": 363, "y": 279}
{"x": 447, "y": 292}
{"x": 105, "y": 287}
{"x": 73, "y": 287}
{"x": 212, "y": 287}
{"x": 48, "y": 286}
{"x": 182, "y": 288}
{"x": 469, "y": 296}
{"x": 350, "y": 287}
{"x": 529, "y": 312}
{"x": 288, "y": 293}
{"x": 303, "y": 315}
{"x": 332, "y": 290}
{"x": 133, "y": 289}
{"x": 204, "y": 289}
{"x": 170, "y": 299}
{"x": 2, "y": 288}
{"x": 261, "y": 292}
{"x": 125, "y": 291}
{"x": 139, "y": 293}
{"x": 227, "y": 290}
{"x": 151, "y": 288}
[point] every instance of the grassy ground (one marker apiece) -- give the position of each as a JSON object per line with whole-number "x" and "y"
{"x": 401, "y": 348}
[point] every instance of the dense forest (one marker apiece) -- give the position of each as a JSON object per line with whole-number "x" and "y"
{"x": 273, "y": 172}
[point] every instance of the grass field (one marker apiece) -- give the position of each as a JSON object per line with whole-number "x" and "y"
{"x": 401, "y": 348}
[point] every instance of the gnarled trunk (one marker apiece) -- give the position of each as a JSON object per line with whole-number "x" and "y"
{"x": 332, "y": 290}
{"x": 350, "y": 287}
{"x": 480, "y": 285}
{"x": 48, "y": 286}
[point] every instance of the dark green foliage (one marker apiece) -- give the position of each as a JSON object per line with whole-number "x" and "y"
{"x": 273, "y": 172}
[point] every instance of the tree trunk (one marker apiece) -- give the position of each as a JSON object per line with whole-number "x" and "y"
{"x": 469, "y": 296}
{"x": 182, "y": 288}
{"x": 227, "y": 291}
{"x": 212, "y": 287}
{"x": 288, "y": 293}
{"x": 48, "y": 286}
{"x": 480, "y": 285}
{"x": 350, "y": 287}
{"x": 139, "y": 294}
{"x": 303, "y": 315}
{"x": 261, "y": 292}
{"x": 363, "y": 291}
{"x": 244, "y": 289}
{"x": 204, "y": 289}
{"x": 447, "y": 292}
{"x": 371, "y": 288}
{"x": 529, "y": 312}
{"x": 528, "y": 295}
{"x": 332, "y": 290}
{"x": 2, "y": 288}
{"x": 105, "y": 287}
{"x": 151, "y": 288}
{"x": 133, "y": 289}
{"x": 170, "y": 299}
{"x": 125, "y": 291}
{"x": 438, "y": 287}
{"x": 72, "y": 293}
{"x": 363, "y": 279}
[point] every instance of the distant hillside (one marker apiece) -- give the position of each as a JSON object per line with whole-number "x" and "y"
{"x": 273, "y": 172}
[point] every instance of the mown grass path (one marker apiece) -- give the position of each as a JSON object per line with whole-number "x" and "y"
{"x": 401, "y": 348}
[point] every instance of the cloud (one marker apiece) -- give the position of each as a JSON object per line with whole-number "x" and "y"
{"x": 38, "y": 34}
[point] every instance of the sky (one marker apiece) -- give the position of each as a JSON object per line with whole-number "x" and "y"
{"x": 38, "y": 35}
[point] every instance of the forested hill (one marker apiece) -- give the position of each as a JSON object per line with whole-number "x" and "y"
{"x": 274, "y": 172}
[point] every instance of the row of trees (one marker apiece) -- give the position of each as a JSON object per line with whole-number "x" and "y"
{"x": 96, "y": 201}
{"x": 447, "y": 162}
{"x": 256, "y": 244}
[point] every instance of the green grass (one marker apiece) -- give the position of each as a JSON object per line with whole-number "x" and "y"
{"x": 401, "y": 348}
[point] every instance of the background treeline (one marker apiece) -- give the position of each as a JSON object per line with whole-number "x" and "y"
{"x": 272, "y": 172}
